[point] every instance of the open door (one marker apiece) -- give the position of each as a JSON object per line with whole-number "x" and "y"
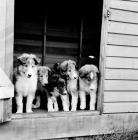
{"x": 119, "y": 57}
{"x": 6, "y": 58}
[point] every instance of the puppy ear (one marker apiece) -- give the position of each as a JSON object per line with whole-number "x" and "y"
{"x": 38, "y": 69}
{"x": 37, "y": 60}
{"x": 82, "y": 72}
{"x": 22, "y": 59}
{"x": 63, "y": 67}
{"x": 95, "y": 69}
{"x": 76, "y": 67}
{"x": 49, "y": 71}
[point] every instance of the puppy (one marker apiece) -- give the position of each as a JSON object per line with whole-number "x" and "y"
{"x": 25, "y": 77}
{"x": 57, "y": 88}
{"x": 68, "y": 69}
{"x": 88, "y": 85}
{"x": 43, "y": 79}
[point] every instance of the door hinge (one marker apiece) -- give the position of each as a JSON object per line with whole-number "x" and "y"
{"x": 108, "y": 13}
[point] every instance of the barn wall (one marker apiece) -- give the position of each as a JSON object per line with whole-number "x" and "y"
{"x": 121, "y": 65}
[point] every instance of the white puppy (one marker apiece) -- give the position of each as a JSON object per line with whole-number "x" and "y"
{"x": 88, "y": 85}
{"x": 26, "y": 80}
{"x": 68, "y": 69}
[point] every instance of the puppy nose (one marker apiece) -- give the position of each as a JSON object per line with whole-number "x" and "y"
{"x": 45, "y": 84}
{"x": 65, "y": 93}
{"x": 75, "y": 77}
{"x": 29, "y": 75}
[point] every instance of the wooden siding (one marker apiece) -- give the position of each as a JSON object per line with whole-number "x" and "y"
{"x": 6, "y": 51}
{"x": 121, "y": 65}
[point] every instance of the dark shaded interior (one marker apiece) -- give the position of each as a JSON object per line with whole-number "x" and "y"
{"x": 73, "y": 30}
{"x": 65, "y": 21}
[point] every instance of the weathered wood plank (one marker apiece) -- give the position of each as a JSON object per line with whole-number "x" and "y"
{"x": 120, "y": 51}
{"x": 118, "y": 39}
{"x": 28, "y": 42}
{"x": 61, "y": 44}
{"x": 49, "y": 43}
{"x": 121, "y": 74}
{"x": 72, "y": 126}
{"x": 124, "y": 5}
{"x": 120, "y": 96}
{"x": 102, "y": 55}
{"x": 122, "y": 28}
{"x": 2, "y": 32}
{"x": 120, "y": 85}
{"x": 9, "y": 38}
{"x": 123, "y": 16}
{"x": 40, "y": 113}
{"x": 120, "y": 107}
{"x": 114, "y": 62}
{"x": 24, "y": 30}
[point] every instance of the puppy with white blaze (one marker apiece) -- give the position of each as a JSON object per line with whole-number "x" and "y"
{"x": 43, "y": 80}
{"x": 68, "y": 69}
{"x": 26, "y": 80}
{"x": 88, "y": 85}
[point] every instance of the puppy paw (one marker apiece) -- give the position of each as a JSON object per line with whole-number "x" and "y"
{"x": 37, "y": 105}
{"x": 92, "y": 107}
{"x": 29, "y": 111}
{"x": 73, "y": 109}
{"x": 19, "y": 111}
{"x": 82, "y": 106}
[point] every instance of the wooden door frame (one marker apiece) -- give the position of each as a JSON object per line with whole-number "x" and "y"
{"x": 102, "y": 55}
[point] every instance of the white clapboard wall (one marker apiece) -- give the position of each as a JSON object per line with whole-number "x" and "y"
{"x": 121, "y": 61}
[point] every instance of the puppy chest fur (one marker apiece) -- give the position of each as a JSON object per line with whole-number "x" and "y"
{"x": 25, "y": 85}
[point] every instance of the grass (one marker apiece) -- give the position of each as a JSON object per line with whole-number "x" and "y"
{"x": 115, "y": 136}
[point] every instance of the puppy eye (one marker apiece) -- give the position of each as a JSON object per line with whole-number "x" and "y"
{"x": 69, "y": 70}
{"x": 41, "y": 76}
{"x": 25, "y": 65}
{"x": 32, "y": 66}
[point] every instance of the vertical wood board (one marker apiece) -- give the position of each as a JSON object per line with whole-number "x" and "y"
{"x": 2, "y": 32}
{"x": 9, "y": 38}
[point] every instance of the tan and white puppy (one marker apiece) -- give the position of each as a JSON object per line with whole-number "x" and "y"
{"x": 88, "y": 85}
{"x": 68, "y": 69}
{"x": 43, "y": 80}
{"x": 26, "y": 80}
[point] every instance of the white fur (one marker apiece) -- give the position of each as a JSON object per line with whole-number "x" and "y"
{"x": 87, "y": 87}
{"x": 26, "y": 81}
{"x": 72, "y": 87}
{"x": 52, "y": 101}
{"x": 25, "y": 87}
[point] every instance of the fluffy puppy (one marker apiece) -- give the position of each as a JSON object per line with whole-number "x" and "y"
{"x": 88, "y": 85}
{"x": 43, "y": 80}
{"x": 25, "y": 80}
{"x": 57, "y": 88}
{"x": 68, "y": 69}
